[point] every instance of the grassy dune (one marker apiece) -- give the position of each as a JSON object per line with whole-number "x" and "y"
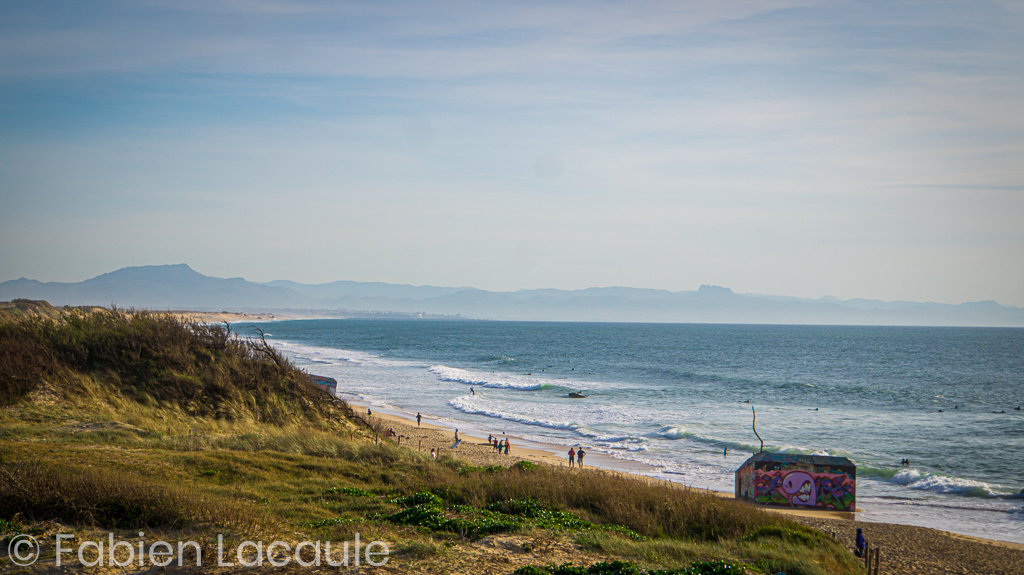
{"x": 122, "y": 421}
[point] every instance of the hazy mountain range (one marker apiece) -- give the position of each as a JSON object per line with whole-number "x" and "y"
{"x": 180, "y": 287}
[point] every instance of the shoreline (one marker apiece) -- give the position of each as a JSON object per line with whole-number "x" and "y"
{"x": 473, "y": 449}
{"x": 550, "y": 453}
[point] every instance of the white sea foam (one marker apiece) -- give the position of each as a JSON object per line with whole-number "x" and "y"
{"x": 315, "y": 360}
{"x": 469, "y": 405}
{"x": 937, "y": 483}
{"x": 565, "y": 418}
{"x": 330, "y": 355}
{"x": 674, "y": 433}
{"x": 493, "y": 380}
{"x": 678, "y": 432}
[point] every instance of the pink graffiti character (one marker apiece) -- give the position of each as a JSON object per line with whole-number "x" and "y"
{"x": 800, "y": 486}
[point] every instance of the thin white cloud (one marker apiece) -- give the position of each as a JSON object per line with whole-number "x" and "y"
{"x": 793, "y": 148}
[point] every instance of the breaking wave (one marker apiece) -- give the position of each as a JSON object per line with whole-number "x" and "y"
{"x": 937, "y": 483}
{"x": 494, "y": 380}
{"x": 468, "y": 405}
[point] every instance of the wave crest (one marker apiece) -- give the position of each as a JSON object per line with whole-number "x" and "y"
{"x": 469, "y": 405}
{"x": 936, "y": 483}
{"x": 493, "y": 380}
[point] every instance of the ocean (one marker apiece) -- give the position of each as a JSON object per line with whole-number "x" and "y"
{"x": 675, "y": 396}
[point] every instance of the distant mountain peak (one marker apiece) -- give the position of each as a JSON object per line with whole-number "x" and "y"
{"x": 174, "y": 274}
{"x": 714, "y": 290}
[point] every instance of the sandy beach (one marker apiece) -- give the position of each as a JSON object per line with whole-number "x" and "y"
{"x": 225, "y": 316}
{"x": 472, "y": 449}
{"x": 906, "y": 550}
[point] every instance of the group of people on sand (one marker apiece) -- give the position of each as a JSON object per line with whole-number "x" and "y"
{"x": 503, "y": 446}
{"x": 576, "y": 457}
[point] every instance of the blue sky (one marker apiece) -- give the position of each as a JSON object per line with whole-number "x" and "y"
{"x": 853, "y": 149}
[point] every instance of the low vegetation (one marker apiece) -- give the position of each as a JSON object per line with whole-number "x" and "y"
{"x": 628, "y": 568}
{"x": 125, "y": 420}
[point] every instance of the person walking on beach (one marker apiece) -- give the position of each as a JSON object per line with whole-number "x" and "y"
{"x": 433, "y": 453}
{"x": 368, "y": 412}
{"x": 508, "y": 446}
{"x": 418, "y": 418}
{"x": 861, "y": 542}
{"x": 579, "y": 458}
{"x": 572, "y": 457}
{"x": 456, "y": 435}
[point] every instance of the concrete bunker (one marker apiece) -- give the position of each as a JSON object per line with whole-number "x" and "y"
{"x": 810, "y": 481}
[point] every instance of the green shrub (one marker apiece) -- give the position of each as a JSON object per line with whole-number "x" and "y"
{"x": 524, "y": 465}
{"x": 420, "y": 498}
{"x": 7, "y": 526}
{"x": 520, "y": 507}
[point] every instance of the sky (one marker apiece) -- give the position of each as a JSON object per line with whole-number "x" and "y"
{"x": 850, "y": 149}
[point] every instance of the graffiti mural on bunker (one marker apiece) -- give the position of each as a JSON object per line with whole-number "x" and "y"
{"x": 785, "y": 480}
